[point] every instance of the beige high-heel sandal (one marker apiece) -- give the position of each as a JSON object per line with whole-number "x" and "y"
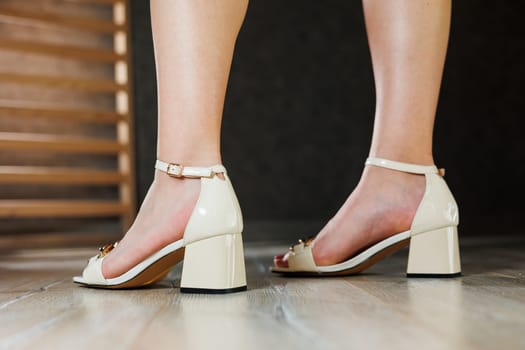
{"x": 433, "y": 237}
{"x": 211, "y": 247}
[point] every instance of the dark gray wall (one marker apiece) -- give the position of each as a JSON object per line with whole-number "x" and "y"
{"x": 301, "y": 97}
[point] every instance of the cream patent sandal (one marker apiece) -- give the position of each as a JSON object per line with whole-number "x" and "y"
{"x": 211, "y": 247}
{"x": 433, "y": 238}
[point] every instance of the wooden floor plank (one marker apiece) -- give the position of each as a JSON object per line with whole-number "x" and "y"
{"x": 40, "y": 307}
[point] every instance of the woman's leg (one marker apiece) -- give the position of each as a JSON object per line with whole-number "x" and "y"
{"x": 194, "y": 42}
{"x": 408, "y": 41}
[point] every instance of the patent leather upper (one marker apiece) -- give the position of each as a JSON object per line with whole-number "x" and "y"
{"x": 216, "y": 213}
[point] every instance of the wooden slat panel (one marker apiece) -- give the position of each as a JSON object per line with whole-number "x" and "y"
{"x": 60, "y": 20}
{"x": 69, "y": 114}
{"x": 91, "y": 85}
{"x": 65, "y": 176}
{"x": 58, "y": 208}
{"x": 26, "y": 141}
{"x": 63, "y": 30}
{"x": 62, "y": 51}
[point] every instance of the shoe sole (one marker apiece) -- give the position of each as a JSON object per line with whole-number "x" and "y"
{"x": 213, "y": 291}
{"x": 373, "y": 259}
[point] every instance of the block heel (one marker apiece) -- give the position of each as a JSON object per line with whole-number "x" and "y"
{"x": 434, "y": 254}
{"x": 214, "y": 266}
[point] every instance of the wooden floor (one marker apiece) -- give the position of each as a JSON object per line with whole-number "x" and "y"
{"x": 40, "y": 308}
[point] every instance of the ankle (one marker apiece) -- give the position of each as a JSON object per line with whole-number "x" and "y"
{"x": 193, "y": 159}
{"x": 404, "y": 184}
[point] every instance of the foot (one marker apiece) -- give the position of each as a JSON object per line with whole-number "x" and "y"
{"x": 161, "y": 220}
{"x": 384, "y": 203}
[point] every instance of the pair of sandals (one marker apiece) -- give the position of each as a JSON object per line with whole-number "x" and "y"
{"x": 212, "y": 247}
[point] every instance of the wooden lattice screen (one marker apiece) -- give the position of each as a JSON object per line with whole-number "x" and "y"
{"x": 66, "y": 162}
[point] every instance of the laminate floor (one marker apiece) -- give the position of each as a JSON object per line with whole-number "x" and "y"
{"x": 40, "y": 308}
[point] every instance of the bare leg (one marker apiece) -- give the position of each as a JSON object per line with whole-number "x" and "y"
{"x": 194, "y": 41}
{"x": 408, "y": 40}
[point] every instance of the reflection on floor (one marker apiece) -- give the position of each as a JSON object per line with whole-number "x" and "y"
{"x": 485, "y": 309}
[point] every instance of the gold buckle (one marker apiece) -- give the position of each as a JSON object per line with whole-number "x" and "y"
{"x": 172, "y": 174}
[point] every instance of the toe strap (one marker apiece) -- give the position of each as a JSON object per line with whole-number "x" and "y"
{"x": 300, "y": 257}
{"x": 92, "y": 273}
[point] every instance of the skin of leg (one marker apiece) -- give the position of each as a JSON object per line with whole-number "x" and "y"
{"x": 408, "y": 41}
{"x": 194, "y": 42}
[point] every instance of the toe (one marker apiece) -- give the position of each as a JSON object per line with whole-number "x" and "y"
{"x": 281, "y": 260}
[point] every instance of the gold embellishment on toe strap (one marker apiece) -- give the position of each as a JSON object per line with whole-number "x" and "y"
{"x": 106, "y": 249}
{"x": 300, "y": 256}
{"x": 303, "y": 243}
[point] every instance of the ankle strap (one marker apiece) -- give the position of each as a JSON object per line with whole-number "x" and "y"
{"x": 405, "y": 167}
{"x": 177, "y": 170}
